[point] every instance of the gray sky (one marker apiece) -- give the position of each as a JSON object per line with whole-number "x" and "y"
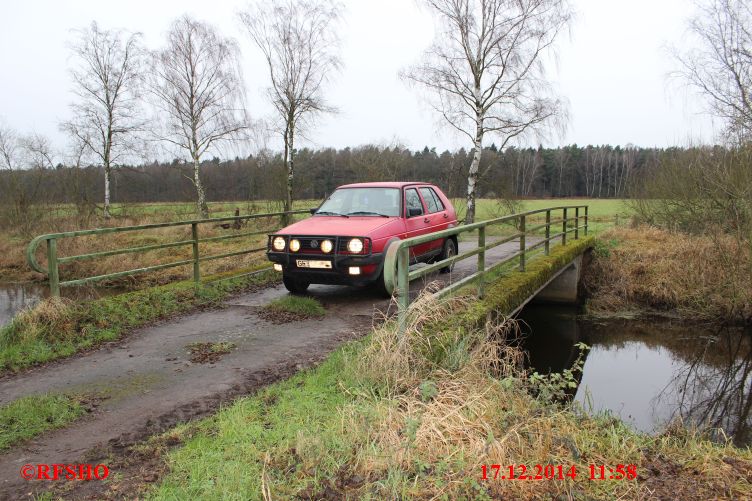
{"x": 613, "y": 69}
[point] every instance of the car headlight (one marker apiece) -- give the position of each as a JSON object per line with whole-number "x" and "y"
{"x": 295, "y": 245}
{"x": 278, "y": 244}
{"x": 355, "y": 245}
{"x": 327, "y": 246}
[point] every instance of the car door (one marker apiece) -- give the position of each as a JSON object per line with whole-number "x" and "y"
{"x": 436, "y": 217}
{"x": 415, "y": 225}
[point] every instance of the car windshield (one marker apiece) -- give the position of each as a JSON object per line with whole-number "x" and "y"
{"x": 362, "y": 202}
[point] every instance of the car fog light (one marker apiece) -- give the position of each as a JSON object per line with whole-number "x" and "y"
{"x": 355, "y": 245}
{"x": 278, "y": 243}
{"x": 294, "y": 245}
{"x": 327, "y": 246}
{"x": 277, "y": 267}
{"x": 354, "y": 270}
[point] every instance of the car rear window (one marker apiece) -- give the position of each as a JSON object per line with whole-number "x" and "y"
{"x": 432, "y": 200}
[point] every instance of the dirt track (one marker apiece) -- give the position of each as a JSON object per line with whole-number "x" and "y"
{"x": 147, "y": 382}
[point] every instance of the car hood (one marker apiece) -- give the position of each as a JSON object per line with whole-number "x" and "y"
{"x": 338, "y": 226}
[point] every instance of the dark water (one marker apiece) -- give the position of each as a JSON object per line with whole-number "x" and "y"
{"x": 650, "y": 373}
{"x": 15, "y": 297}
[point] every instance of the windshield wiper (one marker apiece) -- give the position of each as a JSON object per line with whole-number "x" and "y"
{"x": 366, "y": 213}
{"x": 328, "y": 213}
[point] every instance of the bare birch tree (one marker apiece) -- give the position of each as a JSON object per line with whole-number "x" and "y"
{"x": 301, "y": 48}
{"x": 485, "y": 70}
{"x": 106, "y": 83}
{"x": 24, "y": 163}
{"x": 720, "y": 67}
{"x": 197, "y": 84}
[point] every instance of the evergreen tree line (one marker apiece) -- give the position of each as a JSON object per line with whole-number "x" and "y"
{"x": 570, "y": 171}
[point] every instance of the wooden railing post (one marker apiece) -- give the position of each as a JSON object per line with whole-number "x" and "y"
{"x": 52, "y": 267}
{"x": 547, "y": 245}
{"x": 586, "y": 219}
{"x": 403, "y": 288}
{"x": 196, "y": 263}
{"x": 564, "y": 228}
{"x": 522, "y": 243}
{"x": 576, "y": 223}
{"x": 481, "y": 258}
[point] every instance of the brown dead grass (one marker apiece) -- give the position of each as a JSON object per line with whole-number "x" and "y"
{"x": 51, "y": 317}
{"x": 402, "y": 361}
{"x": 13, "y": 266}
{"x": 703, "y": 277}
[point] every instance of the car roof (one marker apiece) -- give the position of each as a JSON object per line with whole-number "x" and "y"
{"x": 385, "y": 184}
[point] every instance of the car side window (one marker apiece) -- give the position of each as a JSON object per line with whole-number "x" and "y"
{"x": 430, "y": 199}
{"x": 412, "y": 201}
{"x": 439, "y": 203}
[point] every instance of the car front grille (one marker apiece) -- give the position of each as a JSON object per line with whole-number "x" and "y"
{"x": 312, "y": 245}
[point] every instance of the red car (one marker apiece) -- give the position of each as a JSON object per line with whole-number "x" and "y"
{"x": 345, "y": 240}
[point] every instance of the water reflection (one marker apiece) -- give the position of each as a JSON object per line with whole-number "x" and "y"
{"x": 650, "y": 373}
{"x": 713, "y": 387}
{"x": 15, "y": 297}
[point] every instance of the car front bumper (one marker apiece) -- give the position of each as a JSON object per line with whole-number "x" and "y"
{"x": 370, "y": 266}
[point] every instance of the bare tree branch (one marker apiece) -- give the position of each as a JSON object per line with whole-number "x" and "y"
{"x": 720, "y": 67}
{"x": 300, "y": 46}
{"x": 107, "y": 112}
{"x": 197, "y": 85}
{"x": 485, "y": 70}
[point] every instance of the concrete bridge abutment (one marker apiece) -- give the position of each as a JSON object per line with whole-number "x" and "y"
{"x": 562, "y": 289}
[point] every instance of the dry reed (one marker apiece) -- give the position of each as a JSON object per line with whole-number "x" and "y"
{"x": 703, "y": 277}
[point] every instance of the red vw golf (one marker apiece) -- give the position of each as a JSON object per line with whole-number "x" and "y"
{"x": 345, "y": 240}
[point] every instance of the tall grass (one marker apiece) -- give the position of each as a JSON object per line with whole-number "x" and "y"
{"x": 700, "y": 277}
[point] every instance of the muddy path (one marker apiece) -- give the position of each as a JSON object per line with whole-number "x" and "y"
{"x": 147, "y": 383}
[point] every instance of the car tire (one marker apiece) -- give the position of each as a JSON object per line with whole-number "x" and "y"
{"x": 380, "y": 287}
{"x": 294, "y": 285}
{"x": 449, "y": 250}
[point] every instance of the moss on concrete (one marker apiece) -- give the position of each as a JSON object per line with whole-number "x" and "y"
{"x": 505, "y": 293}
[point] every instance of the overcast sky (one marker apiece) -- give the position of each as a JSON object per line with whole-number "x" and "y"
{"x": 613, "y": 69}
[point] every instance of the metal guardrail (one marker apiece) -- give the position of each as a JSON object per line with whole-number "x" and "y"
{"x": 54, "y": 261}
{"x": 397, "y": 275}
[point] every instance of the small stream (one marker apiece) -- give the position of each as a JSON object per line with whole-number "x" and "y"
{"x": 650, "y": 372}
{"x": 15, "y": 297}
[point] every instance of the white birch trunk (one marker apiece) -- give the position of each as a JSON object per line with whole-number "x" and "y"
{"x": 290, "y": 166}
{"x": 107, "y": 193}
{"x": 203, "y": 209}
{"x": 472, "y": 175}
{"x": 290, "y": 170}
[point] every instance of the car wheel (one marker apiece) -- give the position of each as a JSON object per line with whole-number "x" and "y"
{"x": 449, "y": 250}
{"x": 380, "y": 287}
{"x": 295, "y": 285}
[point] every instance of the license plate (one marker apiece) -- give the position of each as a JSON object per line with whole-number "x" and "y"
{"x": 322, "y": 265}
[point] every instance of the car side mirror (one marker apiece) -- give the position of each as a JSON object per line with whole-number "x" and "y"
{"x": 313, "y": 211}
{"x": 414, "y": 211}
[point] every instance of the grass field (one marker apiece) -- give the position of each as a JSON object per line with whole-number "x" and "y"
{"x": 13, "y": 267}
